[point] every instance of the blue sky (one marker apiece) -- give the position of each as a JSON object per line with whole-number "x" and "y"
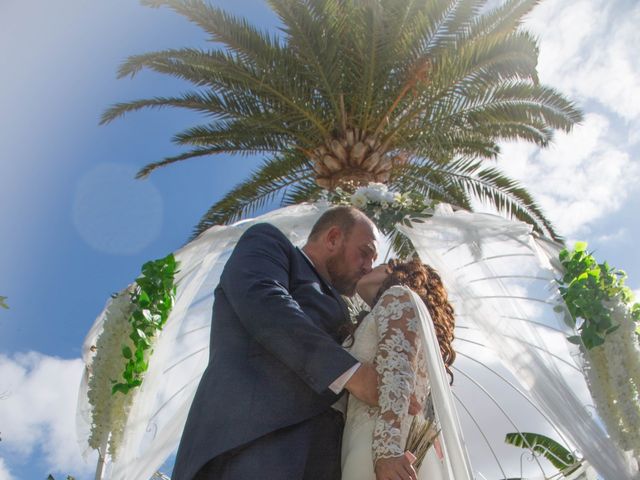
{"x": 76, "y": 226}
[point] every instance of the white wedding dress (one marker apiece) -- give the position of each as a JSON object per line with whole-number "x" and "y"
{"x": 391, "y": 337}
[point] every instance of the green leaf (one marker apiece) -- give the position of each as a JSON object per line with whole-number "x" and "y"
{"x": 141, "y": 366}
{"x": 139, "y": 353}
{"x": 575, "y": 339}
{"x": 128, "y": 371}
{"x": 592, "y": 340}
{"x": 143, "y": 299}
{"x": 148, "y": 316}
{"x": 580, "y": 246}
{"x": 126, "y": 352}
{"x": 612, "y": 329}
{"x": 120, "y": 387}
{"x": 559, "y": 456}
{"x": 3, "y": 303}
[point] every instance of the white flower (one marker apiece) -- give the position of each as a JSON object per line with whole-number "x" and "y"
{"x": 375, "y": 192}
{"x": 389, "y": 197}
{"x": 359, "y": 199}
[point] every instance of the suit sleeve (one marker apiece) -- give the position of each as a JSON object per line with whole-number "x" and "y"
{"x": 256, "y": 282}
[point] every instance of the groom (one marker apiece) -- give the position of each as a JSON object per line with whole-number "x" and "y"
{"x": 263, "y": 406}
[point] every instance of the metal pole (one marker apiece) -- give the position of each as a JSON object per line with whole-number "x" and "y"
{"x": 102, "y": 459}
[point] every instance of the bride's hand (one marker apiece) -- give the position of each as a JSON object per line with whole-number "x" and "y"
{"x": 415, "y": 407}
{"x": 396, "y": 468}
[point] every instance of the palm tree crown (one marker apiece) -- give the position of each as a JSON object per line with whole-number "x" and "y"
{"x": 412, "y": 93}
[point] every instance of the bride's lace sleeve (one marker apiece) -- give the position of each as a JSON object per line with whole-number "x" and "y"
{"x": 396, "y": 363}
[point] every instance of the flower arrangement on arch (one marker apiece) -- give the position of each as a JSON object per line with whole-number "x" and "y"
{"x": 386, "y": 208}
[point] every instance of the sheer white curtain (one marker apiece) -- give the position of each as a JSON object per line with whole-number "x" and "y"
{"x": 457, "y": 464}
{"x": 501, "y": 282}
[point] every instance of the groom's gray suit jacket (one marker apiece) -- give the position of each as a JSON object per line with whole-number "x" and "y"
{"x": 275, "y": 349}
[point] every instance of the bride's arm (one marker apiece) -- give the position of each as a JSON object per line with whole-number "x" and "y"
{"x": 396, "y": 364}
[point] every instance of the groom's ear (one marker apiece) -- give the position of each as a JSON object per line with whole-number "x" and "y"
{"x": 333, "y": 239}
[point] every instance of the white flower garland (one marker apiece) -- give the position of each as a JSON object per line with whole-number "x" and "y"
{"x": 109, "y": 411}
{"x": 613, "y": 373}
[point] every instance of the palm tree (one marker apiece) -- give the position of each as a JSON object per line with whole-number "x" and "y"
{"x": 412, "y": 93}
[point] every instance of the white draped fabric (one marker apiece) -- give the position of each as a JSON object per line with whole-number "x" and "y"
{"x": 515, "y": 370}
{"x": 457, "y": 463}
{"x": 510, "y": 326}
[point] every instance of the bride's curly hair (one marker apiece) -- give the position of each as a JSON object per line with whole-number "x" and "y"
{"x": 426, "y": 282}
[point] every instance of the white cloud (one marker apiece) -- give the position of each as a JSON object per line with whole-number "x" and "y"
{"x": 38, "y": 411}
{"x": 4, "y": 471}
{"x": 619, "y": 235}
{"x": 577, "y": 180}
{"x": 588, "y": 51}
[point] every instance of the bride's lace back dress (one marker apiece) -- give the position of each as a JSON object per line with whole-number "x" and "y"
{"x": 388, "y": 337}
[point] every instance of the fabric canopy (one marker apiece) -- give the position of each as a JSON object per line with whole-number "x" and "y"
{"x": 515, "y": 371}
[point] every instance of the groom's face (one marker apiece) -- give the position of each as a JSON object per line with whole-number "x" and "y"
{"x": 353, "y": 259}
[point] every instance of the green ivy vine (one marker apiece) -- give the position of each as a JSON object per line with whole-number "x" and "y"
{"x": 586, "y": 287}
{"x": 153, "y": 297}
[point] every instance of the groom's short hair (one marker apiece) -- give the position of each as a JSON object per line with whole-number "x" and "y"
{"x": 343, "y": 217}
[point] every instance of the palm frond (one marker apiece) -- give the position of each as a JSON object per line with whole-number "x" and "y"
{"x": 433, "y": 183}
{"x": 492, "y": 187}
{"x": 314, "y": 32}
{"x": 235, "y": 136}
{"x": 502, "y": 19}
{"x": 228, "y": 74}
{"x": 446, "y": 28}
{"x": 211, "y": 105}
{"x": 196, "y": 152}
{"x": 304, "y": 191}
{"x": 262, "y": 186}
{"x": 464, "y": 72}
{"x": 510, "y": 102}
{"x": 236, "y": 34}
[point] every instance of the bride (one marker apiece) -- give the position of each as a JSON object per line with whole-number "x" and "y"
{"x": 386, "y": 442}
